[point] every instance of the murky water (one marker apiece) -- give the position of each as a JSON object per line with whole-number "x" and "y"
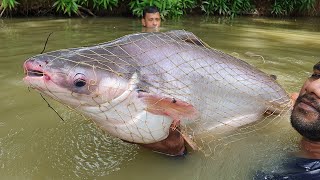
{"x": 36, "y": 144}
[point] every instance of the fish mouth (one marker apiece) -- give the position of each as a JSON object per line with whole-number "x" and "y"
{"x": 31, "y": 70}
{"x": 34, "y": 73}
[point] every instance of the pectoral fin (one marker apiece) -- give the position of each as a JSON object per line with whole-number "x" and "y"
{"x": 175, "y": 108}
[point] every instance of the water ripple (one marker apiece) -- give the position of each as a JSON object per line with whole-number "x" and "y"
{"x": 75, "y": 148}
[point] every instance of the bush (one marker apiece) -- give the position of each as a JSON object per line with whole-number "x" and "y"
{"x": 7, "y": 4}
{"x": 289, "y": 7}
{"x": 67, "y": 6}
{"x": 167, "y": 8}
{"x": 226, "y": 7}
{"x": 72, "y": 6}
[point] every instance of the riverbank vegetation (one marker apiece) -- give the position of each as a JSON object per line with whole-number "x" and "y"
{"x": 168, "y": 8}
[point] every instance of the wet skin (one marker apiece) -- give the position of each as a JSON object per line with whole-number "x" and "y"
{"x": 306, "y": 111}
{"x": 151, "y": 20}
{"x": 305, "y": 117}
{"x": 173, "y": 145}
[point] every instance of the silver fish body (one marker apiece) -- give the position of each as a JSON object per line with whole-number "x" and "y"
{"x": 135, "y": 87}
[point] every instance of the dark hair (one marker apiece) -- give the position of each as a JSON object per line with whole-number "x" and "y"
{"x": 149, "y": 9}
{"x": 316, "y": 66}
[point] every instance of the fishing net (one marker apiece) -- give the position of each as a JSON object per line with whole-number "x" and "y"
{"x": 139, "y": 86}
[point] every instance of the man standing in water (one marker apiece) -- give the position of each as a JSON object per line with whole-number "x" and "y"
{"x": 151, "y": 17}
{"x": 305, "y": 119}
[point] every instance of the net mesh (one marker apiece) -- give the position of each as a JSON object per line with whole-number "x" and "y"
{"x": 137, "y": 86}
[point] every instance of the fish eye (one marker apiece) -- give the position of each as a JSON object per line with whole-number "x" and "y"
{"x": 79, "y": 80}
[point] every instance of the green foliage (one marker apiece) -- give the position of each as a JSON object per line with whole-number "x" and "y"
{"x": 67, "y": 6}
{"x": 84, "y": 3}
{"x": 72, "y": 6}
{"x": 226, "y": 7}
{"x": 283, "y": 7}
{"x": 287, "y": 7}
{"x": 240, "y": 6}
{"x": 8, "y": 4}
{"x": 105, "y": 4}
{"x": 176, "y": 8}
{"x": 167, "y": 8}
{"x": 306, "y": 5}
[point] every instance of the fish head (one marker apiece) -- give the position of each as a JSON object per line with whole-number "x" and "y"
{"x": 71, "y": 82}
{"x": 102, "y": 92}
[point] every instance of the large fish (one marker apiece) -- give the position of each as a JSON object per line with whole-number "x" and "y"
{"x": 139, "y": 85}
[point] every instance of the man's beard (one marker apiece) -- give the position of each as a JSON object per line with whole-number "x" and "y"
{"x": 308, "y": 129}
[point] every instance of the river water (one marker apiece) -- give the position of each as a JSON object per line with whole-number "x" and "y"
{"x": 36, "y": 144}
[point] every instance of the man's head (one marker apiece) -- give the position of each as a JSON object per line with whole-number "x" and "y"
{"x": 151, "y": 17}
{"x": 305, "y": 117}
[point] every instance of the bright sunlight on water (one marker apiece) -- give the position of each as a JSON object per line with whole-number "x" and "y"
{"x": 36, "y": 144}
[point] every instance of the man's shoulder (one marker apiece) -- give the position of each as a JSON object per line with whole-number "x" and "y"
{"x": 294, "y": 168}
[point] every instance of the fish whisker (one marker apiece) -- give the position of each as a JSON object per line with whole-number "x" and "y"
{"x": 51, "y": 107}
{"x": 46, "y": 43}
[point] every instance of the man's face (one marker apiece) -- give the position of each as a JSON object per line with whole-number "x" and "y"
{"x": 151, "y": 20}
{"x": 305, "y": 117}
